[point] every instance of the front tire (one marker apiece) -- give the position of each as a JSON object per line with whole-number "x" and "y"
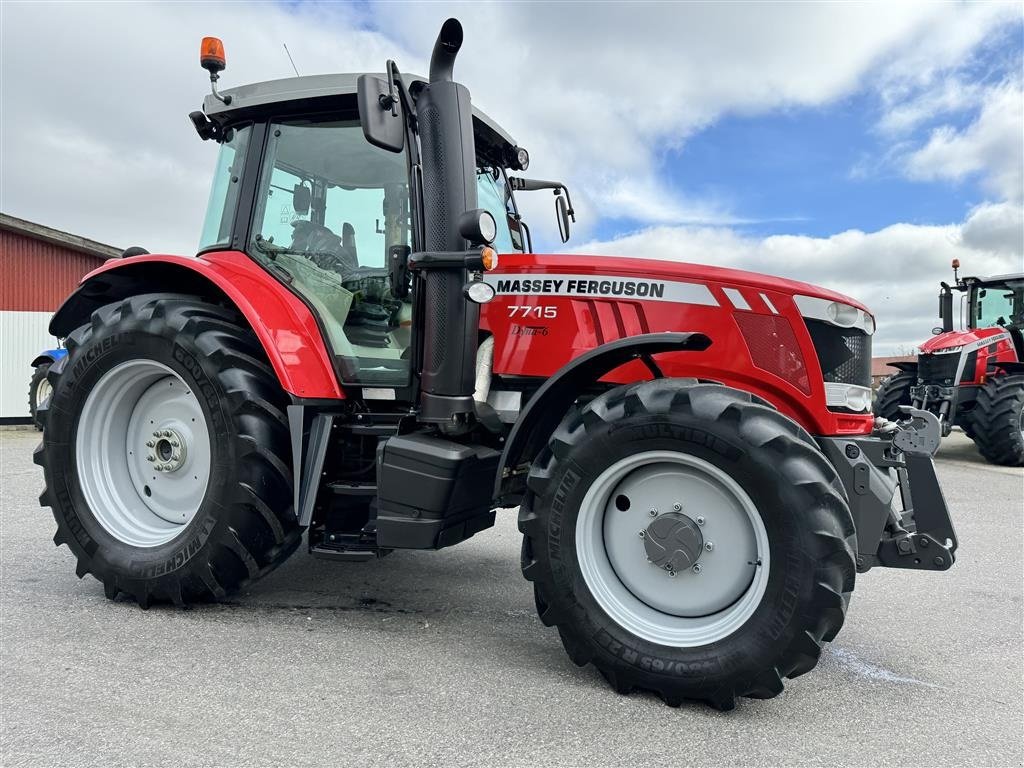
{"x": 38, "y": 391}
{"x": 997, "y": 420}
{"x": 166, "y": 452}
{"x": 892, "y": 393}
{"x": 774, "y": 585}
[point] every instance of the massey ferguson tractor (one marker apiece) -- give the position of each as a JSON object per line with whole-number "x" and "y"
{"x": 365, "y": 350}
{"x": 973, "y": 378}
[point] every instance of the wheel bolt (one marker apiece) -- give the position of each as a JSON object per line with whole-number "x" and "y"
{"x": 641, "y": 534}
{"x": 696, "y": 568}
{"x": 159, "y": 467}
{"x": 175, "y": 457}
{"x": 654, "y": 513}
{"x": 167, "y": 433}
{"x": 700, "y": 521}
{"x": 677, "y": 507}
{"x": 175, "y": 443}
{"x": 709, "y": 546}
{"x": 156, "y": 434}
{"x": 671, "y": 574}
{"x": 151, "y": 457}
{"x": 150, "y": 444}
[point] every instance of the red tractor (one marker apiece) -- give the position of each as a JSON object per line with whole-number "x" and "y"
{"x": 972, "y": 378}
{"x": 366, "y": 350}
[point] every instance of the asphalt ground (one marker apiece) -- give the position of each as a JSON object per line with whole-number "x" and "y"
{"x": 437, "y": 658}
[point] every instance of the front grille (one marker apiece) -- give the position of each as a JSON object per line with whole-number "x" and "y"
{"x": 773, "y": 347}
{"x": 843, "y": 353}
{"x": 937, "y": 369}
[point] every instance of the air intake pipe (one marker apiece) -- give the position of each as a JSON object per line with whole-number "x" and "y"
{"x": 450, "y": 322}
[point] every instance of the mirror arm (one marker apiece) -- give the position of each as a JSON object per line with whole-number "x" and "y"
{"x": 519, "y": 184}
{"x": 529, "y": 239}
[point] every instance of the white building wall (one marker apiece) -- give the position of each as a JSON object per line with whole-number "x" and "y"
{"x": 23, "y": 335}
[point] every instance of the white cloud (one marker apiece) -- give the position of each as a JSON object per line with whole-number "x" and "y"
{"x": 94, "y": 135}
{"x": 991, "y": 147}
{"x": 94, "y": 138}
{"x": 596, "y": 92}
{"x": 895, "y": 271}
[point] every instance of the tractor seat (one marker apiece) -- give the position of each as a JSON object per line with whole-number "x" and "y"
{"x": 325, "y": 249}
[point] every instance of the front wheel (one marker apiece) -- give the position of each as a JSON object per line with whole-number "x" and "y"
{"x": 38, "y": 393}
{"x": 894, "y": 392}
{"x": 997, "y": 420}
{"x": 688, "y": 540}
{"x": 166, "y": 452}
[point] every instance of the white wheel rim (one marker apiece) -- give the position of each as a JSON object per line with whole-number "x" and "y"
{"x": 43, "y": 391}
{"x": 143, "y": 453}
{"x": 701, "y": 604}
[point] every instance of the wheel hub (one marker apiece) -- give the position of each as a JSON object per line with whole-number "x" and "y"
{"x": 167, "y": 450}
{"x": 674, "y": 542}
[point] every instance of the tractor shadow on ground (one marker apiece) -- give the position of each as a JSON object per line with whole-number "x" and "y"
{"x": 479, "y": 578}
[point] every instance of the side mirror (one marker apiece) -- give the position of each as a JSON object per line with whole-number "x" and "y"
{"x": 398, "y": 270}
{"x": 380, "y": 113}
{"x": 562, "y": 213}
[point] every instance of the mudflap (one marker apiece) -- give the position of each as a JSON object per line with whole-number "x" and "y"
{"x": 898, "y": 508}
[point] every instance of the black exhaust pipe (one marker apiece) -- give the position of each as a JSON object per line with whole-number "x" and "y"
{"x": 946, "y": 307}
{"x": 446, "y": 48}
{"x": 450, "y": 322}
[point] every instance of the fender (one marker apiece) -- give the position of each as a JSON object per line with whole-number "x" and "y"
{"x": 282, "y": 322}
{"x": 908, "y": 367}
{"x": 50, "y": 356}
{"x": 548, "y": 406}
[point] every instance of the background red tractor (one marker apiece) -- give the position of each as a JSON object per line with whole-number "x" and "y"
{"x": 972, "y": 377}
{"x": 697, "y": 471}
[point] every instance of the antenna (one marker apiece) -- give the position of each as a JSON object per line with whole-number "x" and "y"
{"x": 290, "y": 58}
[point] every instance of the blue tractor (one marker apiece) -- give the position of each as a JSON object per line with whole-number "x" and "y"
{"x": 39, "y": 387}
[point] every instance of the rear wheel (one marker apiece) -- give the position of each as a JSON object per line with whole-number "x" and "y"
{"x": 997, "y": 420}
{"x": 688, "y": 540}
{"x": 166, "y": 452}
{"x": 892, "y": 393}
{"x": 38, "y": 391}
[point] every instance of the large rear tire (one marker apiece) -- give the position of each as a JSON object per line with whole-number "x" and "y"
{"x": 892, "y": 393}
{"x": 166, "y": 452}
{"x": 688, "y": 466}
{"x": 997, "y": 420}
{"x": 38, "y": 391}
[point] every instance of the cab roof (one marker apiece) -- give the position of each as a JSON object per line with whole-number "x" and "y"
{"x": 244, "y": 97}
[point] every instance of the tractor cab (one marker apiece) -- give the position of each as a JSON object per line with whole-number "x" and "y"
{"x": 998, "y": 302}
{"x": 300, "y": 189}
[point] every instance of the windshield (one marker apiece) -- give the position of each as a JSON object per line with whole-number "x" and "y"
{"x": 220, "y": 210}
{"x": 998, "y": 304}
{"x": 494, "y": 196}
{"x": 329, "y": 207}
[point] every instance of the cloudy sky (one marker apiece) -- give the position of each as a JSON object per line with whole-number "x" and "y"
{"x": 856, "y": 146}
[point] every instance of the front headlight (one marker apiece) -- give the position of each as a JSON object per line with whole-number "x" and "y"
{"x": 835, "y": 313}
{"x": 848, "y": 396}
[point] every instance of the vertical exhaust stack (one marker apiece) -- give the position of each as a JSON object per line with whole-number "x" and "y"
{"x": 451, "y": 323}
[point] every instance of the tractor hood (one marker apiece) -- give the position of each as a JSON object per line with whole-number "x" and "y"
{"x": 669, "y": 270}
{"x": 955, "y": 339}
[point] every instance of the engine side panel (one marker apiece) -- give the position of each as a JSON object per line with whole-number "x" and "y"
{"x": 285, "y": 326}
{"x": 547, "y": 313}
